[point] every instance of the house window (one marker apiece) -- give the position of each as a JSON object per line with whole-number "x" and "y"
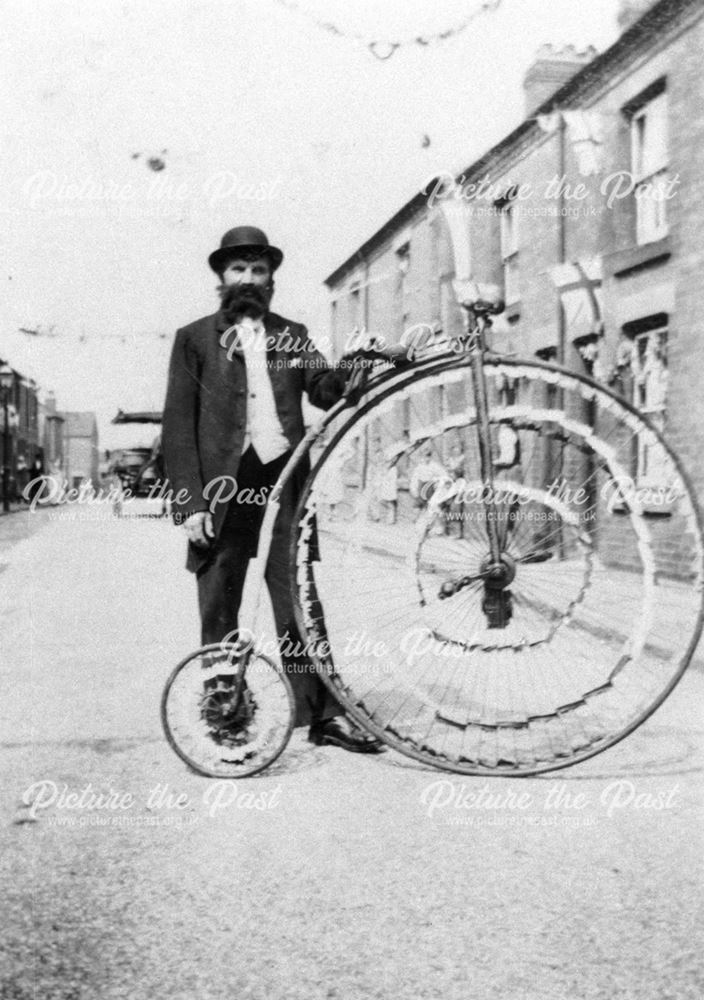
{"x": 649, "y": 368}
{"x": 649, "y": 166}
{"x": 643, "y": 353}
{"x": 508, "y": 222}
{"x": 355, "y": 310}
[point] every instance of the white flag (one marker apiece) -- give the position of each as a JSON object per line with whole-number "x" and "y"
{"x": 586, "y": 133}
{"x": 457, "y": 214}
{"x": 579, "y": 287}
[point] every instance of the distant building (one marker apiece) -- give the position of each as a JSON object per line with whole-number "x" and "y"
{"x": 590, "y": 215}
{"x": 80, "y": 446}
{"x": 22, "y": 434}
{"x": 51, "y": 434}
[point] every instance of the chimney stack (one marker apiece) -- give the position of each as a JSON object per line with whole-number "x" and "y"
{"x": 552, "y": 67}
{"x": 630, "y": 11}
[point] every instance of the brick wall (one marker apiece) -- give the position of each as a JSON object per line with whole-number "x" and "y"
{"x": 662, "y": 278}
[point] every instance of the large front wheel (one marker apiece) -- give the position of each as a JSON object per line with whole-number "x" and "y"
{"x": 532, "y": 662}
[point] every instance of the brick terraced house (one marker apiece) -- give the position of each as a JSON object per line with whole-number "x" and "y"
{"x": 590, "y": 215}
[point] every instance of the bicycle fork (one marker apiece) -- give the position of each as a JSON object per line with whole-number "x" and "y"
{"x": 499, "y": 569}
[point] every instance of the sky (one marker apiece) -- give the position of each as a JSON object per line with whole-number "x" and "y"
{"x": 251, "y": 113}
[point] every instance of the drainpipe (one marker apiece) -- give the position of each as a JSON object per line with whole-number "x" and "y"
{"x": 561, "y": 255}
{"x": 365, "y": 321}
{"x": 561, "y": 239}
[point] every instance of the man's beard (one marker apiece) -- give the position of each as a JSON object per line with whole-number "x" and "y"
{"x": 244, "y": 300}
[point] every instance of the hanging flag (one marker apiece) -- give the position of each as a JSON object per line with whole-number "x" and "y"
{"x": 586, "y": 133}
{"x": 457, "y": 215}
{"x": 579, "y": 287}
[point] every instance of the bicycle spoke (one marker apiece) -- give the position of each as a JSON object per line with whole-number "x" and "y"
{"x": 556, "y": 654}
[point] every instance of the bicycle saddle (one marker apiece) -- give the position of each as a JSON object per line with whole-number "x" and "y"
{"x": 479, "y": 297}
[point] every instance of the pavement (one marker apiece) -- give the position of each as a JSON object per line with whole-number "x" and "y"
{"x": 330, "y": 877}
{"x": 675, "y": 604}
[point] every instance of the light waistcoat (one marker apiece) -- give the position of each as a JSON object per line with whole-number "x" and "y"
{"x": 263, "y": 431}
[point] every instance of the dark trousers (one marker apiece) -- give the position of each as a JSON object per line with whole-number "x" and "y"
{"x": 221, "y": 581}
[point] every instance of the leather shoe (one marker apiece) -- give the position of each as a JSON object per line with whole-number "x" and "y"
{"x": 340, "y": 732}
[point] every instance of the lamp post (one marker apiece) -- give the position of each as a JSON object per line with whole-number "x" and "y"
{"x": 7, "y": 378}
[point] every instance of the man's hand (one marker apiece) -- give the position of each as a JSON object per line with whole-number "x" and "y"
{"x": 199, "y": 528}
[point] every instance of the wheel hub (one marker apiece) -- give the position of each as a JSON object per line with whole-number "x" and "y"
{"x": 498, "y": 576}
{"x": 227, "y": 715}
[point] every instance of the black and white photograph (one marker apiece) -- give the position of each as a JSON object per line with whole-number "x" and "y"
{"x": 351, "y": 532}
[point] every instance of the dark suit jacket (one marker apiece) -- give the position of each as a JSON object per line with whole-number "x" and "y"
{"x": 205, "y": 410}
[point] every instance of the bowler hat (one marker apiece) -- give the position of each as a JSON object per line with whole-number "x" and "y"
{"x": 246, "y": 239}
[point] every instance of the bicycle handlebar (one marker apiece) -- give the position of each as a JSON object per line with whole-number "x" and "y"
{"x": 361, "y": 362}
{"x": 395, "y": 354}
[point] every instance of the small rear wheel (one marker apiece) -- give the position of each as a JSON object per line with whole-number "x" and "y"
{"x": 227, "y": 711}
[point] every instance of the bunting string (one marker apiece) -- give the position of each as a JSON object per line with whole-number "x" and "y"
{"x": 384, "y": 48}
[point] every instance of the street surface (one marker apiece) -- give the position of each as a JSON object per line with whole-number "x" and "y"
{"x": 330, "y": 877}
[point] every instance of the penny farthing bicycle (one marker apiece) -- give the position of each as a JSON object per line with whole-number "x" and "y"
{"x": 490, "y": 591}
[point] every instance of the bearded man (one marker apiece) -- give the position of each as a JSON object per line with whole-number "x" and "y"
{"x": 233, "y": 414}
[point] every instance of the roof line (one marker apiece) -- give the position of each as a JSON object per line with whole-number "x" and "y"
{"x": 583, "y": 80}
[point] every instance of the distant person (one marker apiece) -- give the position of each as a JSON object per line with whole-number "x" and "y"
{"x": 456, "y": 468}
{"x": 35, "y": 485}
{"x": 104, "y": 469}
{"x": 385, "y": 487}
{"x": 425, "y": 478}
{"x": 22, "y": 477}
{"x": 388, "y": 494}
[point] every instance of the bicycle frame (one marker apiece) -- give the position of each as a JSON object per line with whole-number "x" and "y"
{"x": 496, "y": 567}
{"x": 486, "y": 452}
{"x": 473, "y": 343}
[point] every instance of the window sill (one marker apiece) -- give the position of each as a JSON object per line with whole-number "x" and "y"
{"x": 655, "y": 501}
{"x": 635, "y": 258}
